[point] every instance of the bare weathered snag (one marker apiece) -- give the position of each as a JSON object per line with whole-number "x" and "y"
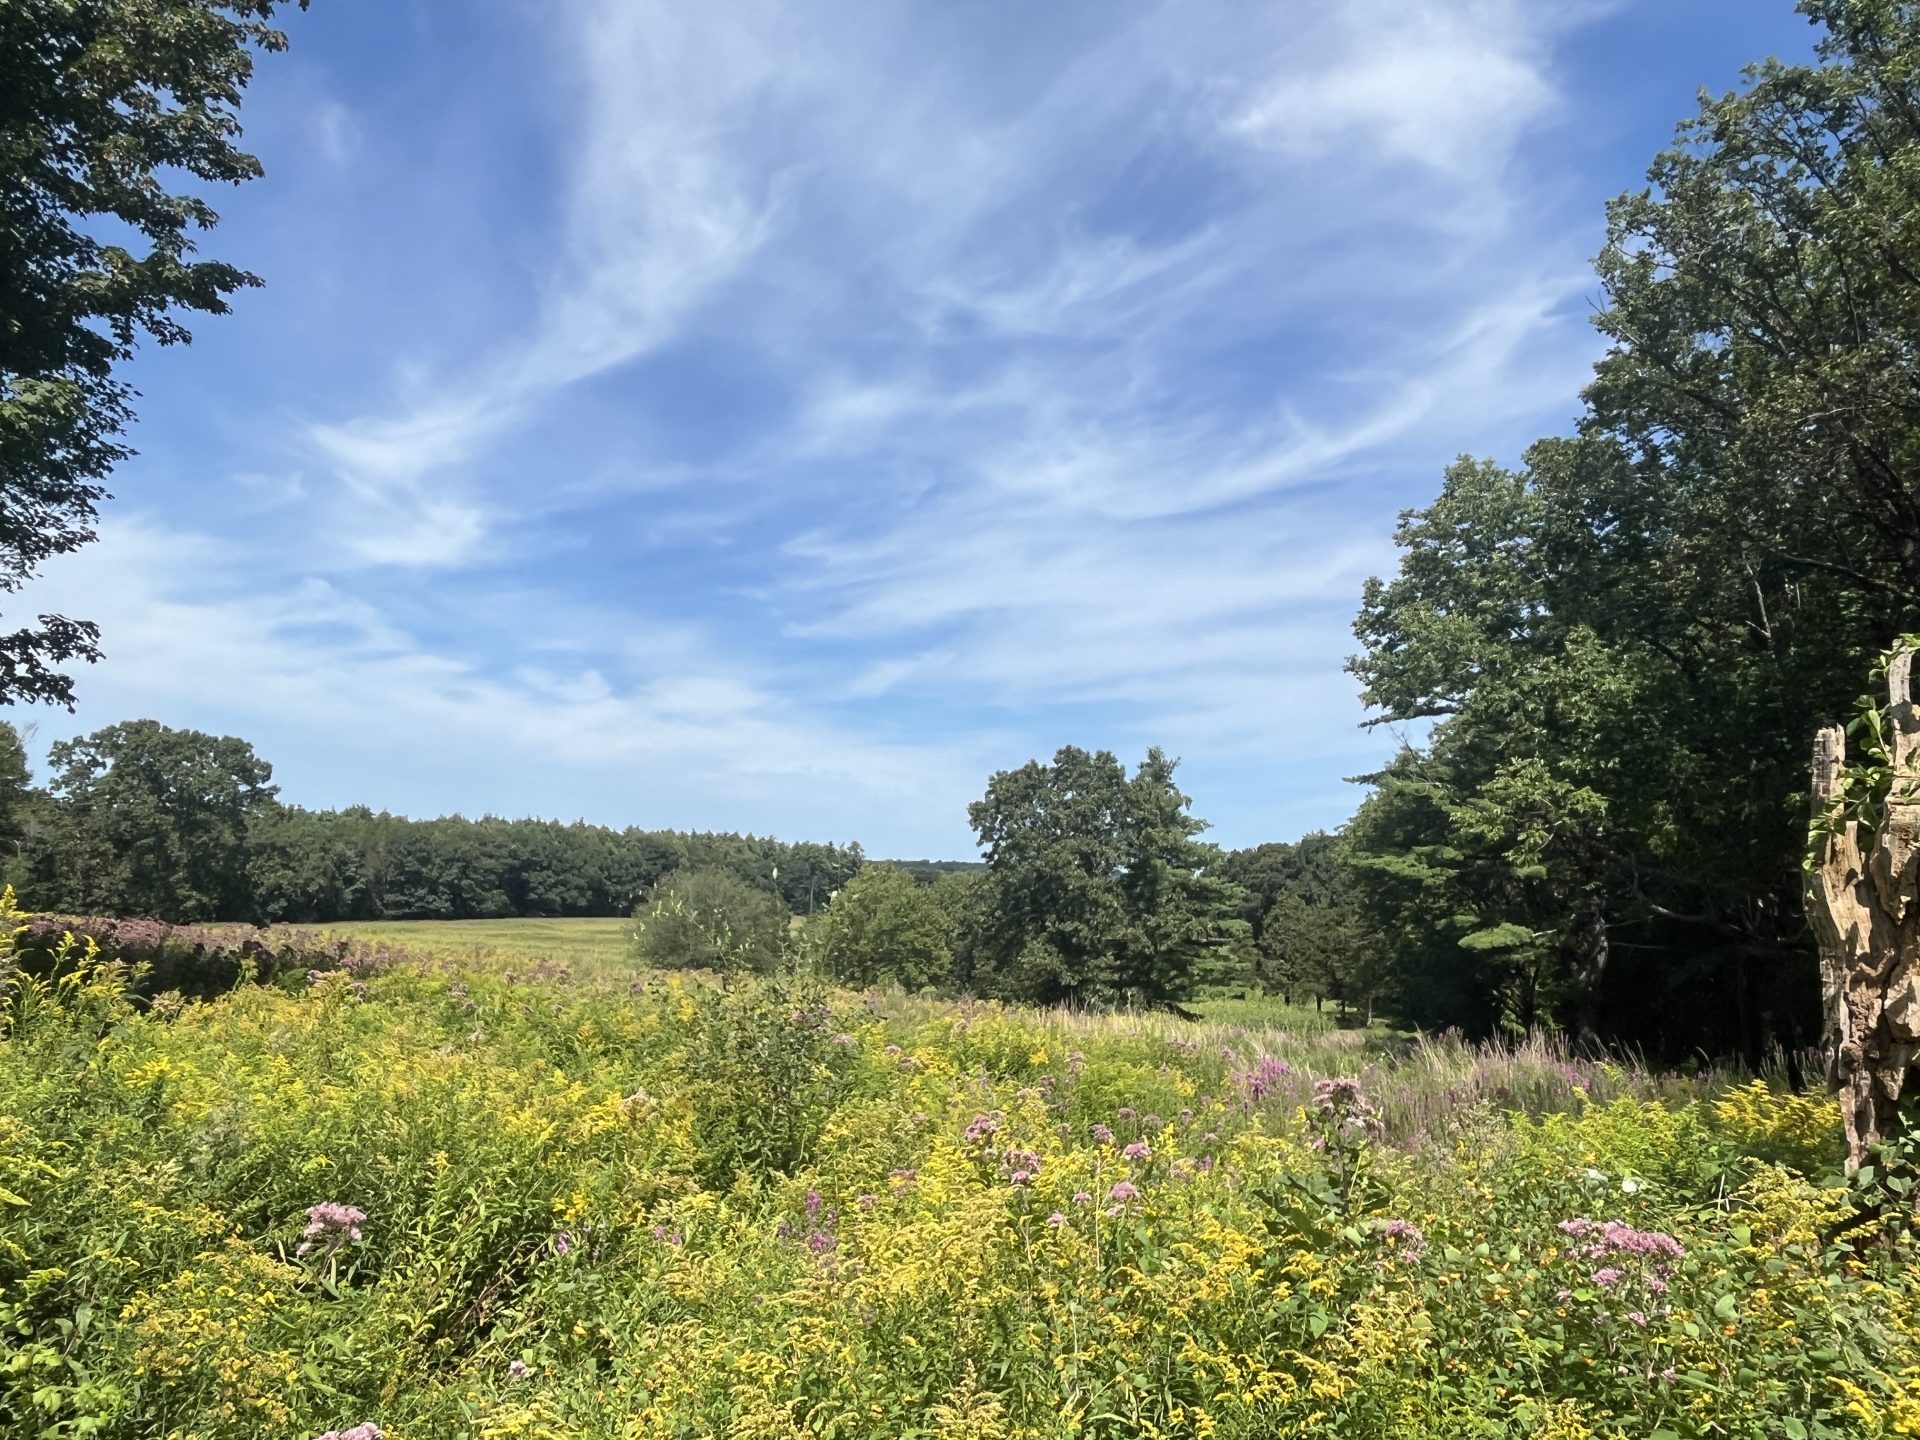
{"x": 1865, "y": 912}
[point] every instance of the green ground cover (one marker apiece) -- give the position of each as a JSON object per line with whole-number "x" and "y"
{"x": 592, "y": 940}
{"x": 460, "y": 1199}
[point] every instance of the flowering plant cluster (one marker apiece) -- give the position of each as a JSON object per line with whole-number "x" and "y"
{"x": 330, "y": 1226}
{"x": 634, "y": 1208}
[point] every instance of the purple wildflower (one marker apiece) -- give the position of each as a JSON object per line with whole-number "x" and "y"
{"x": 1102, "y": 1135}
{"x": 1138, "y": 1150}
{"x": 1263, "y": 1078}
{"x": 1608, "y": 1276}
{"x": 1056, "y": 1219}
{"x": 1123, "y": 1192}
{"x": 1616, "y": 1237}
{"x": 1125, "y": 1112}
{"x": 1410, "y": 1239}
{"x": 368, "y": 1431}
{"x": 983, "y": 1127}
{"x": 519, "y": 1370}
{"x": 330, "y": 1225}
{"x": 1082, "y": 1197}
{"x": 1342, "y": 1101}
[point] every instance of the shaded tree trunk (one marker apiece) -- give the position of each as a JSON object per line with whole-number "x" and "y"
{"x": 1864, "y": 906}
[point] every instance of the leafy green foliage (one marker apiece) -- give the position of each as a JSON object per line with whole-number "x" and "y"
{"x": 883, "y": 929}
{"x": 94, "y": 848}
{"x": 1097, "y": 889}
{"x": 1623, "y": 645}
{"x": 153, "y": 821}
{"x": 107, "y": 103}
{"x": 710, "y": 919}
{"x": 449, "y": 1198}
{"x": 1867, "y": 779}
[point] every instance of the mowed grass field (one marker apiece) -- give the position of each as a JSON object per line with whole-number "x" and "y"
{"x": 588, "y": 942}
{"x": 597, "y": 942}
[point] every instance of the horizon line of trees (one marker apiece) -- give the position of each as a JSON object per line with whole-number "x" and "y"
{"x": 141, "y": 819}
{"x": 1093, "y": 887}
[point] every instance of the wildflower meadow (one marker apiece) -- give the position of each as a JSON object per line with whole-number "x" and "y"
{"x": 363, "y": 1194}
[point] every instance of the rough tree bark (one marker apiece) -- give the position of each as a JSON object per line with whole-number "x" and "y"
{"x": 1865, "y": 912}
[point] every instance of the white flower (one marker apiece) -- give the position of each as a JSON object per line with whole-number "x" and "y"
{"x": 1631, "y": 1186}
{"x": 1598, "y": 1177}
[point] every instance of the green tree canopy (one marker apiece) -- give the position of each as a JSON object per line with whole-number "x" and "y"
{"x": 104, "y": 104}
{"x": 1098, "y": 889}
{"x": 152, "y": 821}
{"x": 1622, "y": 645}
{"x": 882, "y": 928}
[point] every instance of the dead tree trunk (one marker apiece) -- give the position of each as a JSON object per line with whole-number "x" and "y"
{"x": 1865, "y": 912}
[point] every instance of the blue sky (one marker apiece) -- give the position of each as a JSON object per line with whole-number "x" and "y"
{"x": 778, "y": 417}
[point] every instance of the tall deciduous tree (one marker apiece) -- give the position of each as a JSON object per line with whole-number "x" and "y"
{"x": 103, "y": 105}
{"x": 1623, "y": 644}
{"x": 1099, "y": 888}
{"x": 152, "y": 821}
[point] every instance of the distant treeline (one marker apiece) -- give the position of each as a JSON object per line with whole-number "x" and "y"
{"x": 1095, "y": 888}
{"x": 140, "y": 819}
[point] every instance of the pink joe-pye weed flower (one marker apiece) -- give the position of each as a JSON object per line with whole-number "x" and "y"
{"x": 330, "y": 1225}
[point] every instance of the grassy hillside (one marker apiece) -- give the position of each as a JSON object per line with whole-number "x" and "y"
{"x": 452, "y": 1197}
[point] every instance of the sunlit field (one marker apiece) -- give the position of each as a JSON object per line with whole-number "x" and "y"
{"x": 451, "y": 1197}
{"x": 593, "y": 940}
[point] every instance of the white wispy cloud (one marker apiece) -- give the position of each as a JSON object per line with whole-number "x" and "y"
{"x": 1041, "y": 376}
{"x": 336, "y": 133}
{"x": 1449, "y": 84}
{"x": 659, "y": 211}
{"x": 334, "y": 678}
